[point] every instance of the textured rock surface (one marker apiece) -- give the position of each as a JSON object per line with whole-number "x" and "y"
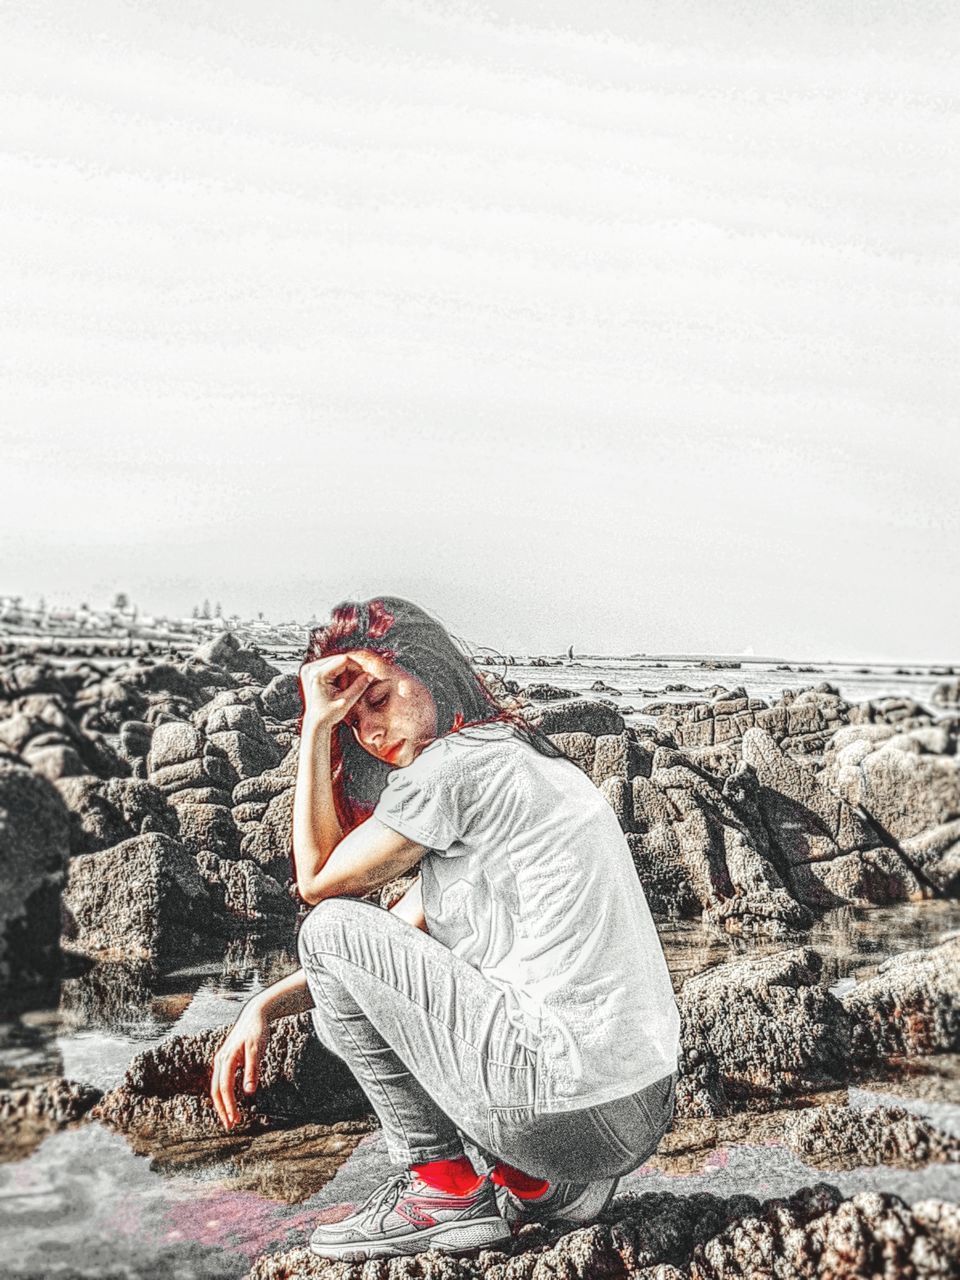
{"x": 246, "y": 892}
{"x": 911, "y": 1006}
{"x": 758, "y": 1030}
{"x": 104, "y": 812}
{"x": 34, "y": 848}
{"x": 142, "y": 899}
{"x": 839, "y": 1137}
{"x": 660, "y": 1236}
{"x": 28, "y": 1115}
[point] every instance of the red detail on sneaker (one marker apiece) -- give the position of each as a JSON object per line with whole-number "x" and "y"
{"x": 456, "y": 1176}
{"x": 521, "y": 1184}
{"x": 414, "y": 1214}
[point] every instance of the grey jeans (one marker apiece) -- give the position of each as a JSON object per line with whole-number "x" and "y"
{"x": 428, "y": 1039}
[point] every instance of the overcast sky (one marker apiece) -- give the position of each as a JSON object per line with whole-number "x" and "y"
{"x": 628, "y": 325}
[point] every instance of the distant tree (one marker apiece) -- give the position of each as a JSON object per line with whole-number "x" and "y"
{"x": 260, "y": 615}
{"x": 121, "y": 601}
{"x": 205, "y": 611}
{"x": 218, "y": 610}
{"x": 196, "y": 611}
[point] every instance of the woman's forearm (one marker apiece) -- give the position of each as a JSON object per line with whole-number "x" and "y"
{"x": 316, "y": 830}
{"x": 289, "y": 995}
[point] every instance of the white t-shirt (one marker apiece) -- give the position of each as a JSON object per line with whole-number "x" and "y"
{"x": 529, "y": 878}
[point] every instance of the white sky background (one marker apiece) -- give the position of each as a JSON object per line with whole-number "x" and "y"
{"x": 631, "y": 325}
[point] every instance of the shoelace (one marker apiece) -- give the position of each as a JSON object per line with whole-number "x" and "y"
{"x": 386, "y": 1196}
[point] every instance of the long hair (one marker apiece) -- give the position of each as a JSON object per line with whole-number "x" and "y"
{"x": 406, "y": 636}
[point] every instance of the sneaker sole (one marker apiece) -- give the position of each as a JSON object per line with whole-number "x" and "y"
{"x": 578, "y": 1212}
{"x": 449, "y": 1238}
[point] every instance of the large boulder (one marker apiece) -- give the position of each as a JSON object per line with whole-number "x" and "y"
{"x": 34, "y": 850}
{"x": 905, "y": 787}
{"x": 103, "y": 812}
{"x": 142, "y": 899}
{"x": 758, "y": 1030}
{"x": 579, "y": 715}
{"x": 830, "y": 854}
{"x": 700, "y": 846}
{"x": 39, "y": 729}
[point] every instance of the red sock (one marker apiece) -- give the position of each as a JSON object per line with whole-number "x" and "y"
{"x": 521, "y": 1184}
{"x": 456, "y": 1176}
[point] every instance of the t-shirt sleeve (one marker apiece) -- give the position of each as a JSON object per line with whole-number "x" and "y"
{"x": 426, "y": 801}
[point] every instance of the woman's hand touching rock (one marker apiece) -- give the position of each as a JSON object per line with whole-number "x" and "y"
{"x": 244, "y": 1047}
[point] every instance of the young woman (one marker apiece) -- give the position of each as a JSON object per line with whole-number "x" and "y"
{"x": 527, "y": 1018}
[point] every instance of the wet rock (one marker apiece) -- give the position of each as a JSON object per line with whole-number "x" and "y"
{"x": 758, "y": 1030}
{"x": 910, "y": 1006}
{"x": 29, "y": 1114}
{"x": 840, "y": 1137}
{"x": 103, "y": 812}
{"x": 246, "y": 892}
{"x": 142, "y": 899}
{"x": 578, "y": 716}
{"x": 34, "y": 850}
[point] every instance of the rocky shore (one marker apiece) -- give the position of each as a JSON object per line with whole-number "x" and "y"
{"x": 145, "y": 812}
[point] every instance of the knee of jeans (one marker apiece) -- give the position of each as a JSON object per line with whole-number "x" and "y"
{"x": 323, "y": 927}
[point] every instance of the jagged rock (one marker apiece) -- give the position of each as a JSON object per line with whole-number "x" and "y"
{"x": 703, "y": 843}
{"x": 281, "y": 698}
{"x": 803, "y": 720}
{"x": 905, "y": 790}
{"x": 142, "y": 899}
{"x": 34, "y": 849}
{"x": 830, "y": 854}
{"x": 166, "y": 1090}
{"x": 840, "y": 1137}
{"x": 104, "y": 705}
{"x": 662, "y": 1236}
{"x": 20, "y": 679}
{"x": 247, "y": 892}
{"x": 621, "y": 755}
{"x": 226, "y": 651}
{"x": 29, "y": 1114}
{"x": 910, "y": 1006}
{"x": 759, "y": 1029}
{"x": 105, "y": 811}
{"x": 577, "y": 716}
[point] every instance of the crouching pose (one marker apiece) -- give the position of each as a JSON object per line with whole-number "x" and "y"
{"x": 519, "y": 1043}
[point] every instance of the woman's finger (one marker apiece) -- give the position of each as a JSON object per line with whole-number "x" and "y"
{"x": 251, "y": 1072}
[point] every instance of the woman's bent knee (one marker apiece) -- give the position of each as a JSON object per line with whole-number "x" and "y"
{"x": 325, "y": 927}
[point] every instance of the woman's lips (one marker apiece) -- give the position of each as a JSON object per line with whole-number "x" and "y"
{"x": 390, "y": 754}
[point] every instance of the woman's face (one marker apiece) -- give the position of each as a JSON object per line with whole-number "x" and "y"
{"x": 396, "y": 717}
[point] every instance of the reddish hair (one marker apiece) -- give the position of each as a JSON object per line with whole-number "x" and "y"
{"x": 405, "y": 636}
